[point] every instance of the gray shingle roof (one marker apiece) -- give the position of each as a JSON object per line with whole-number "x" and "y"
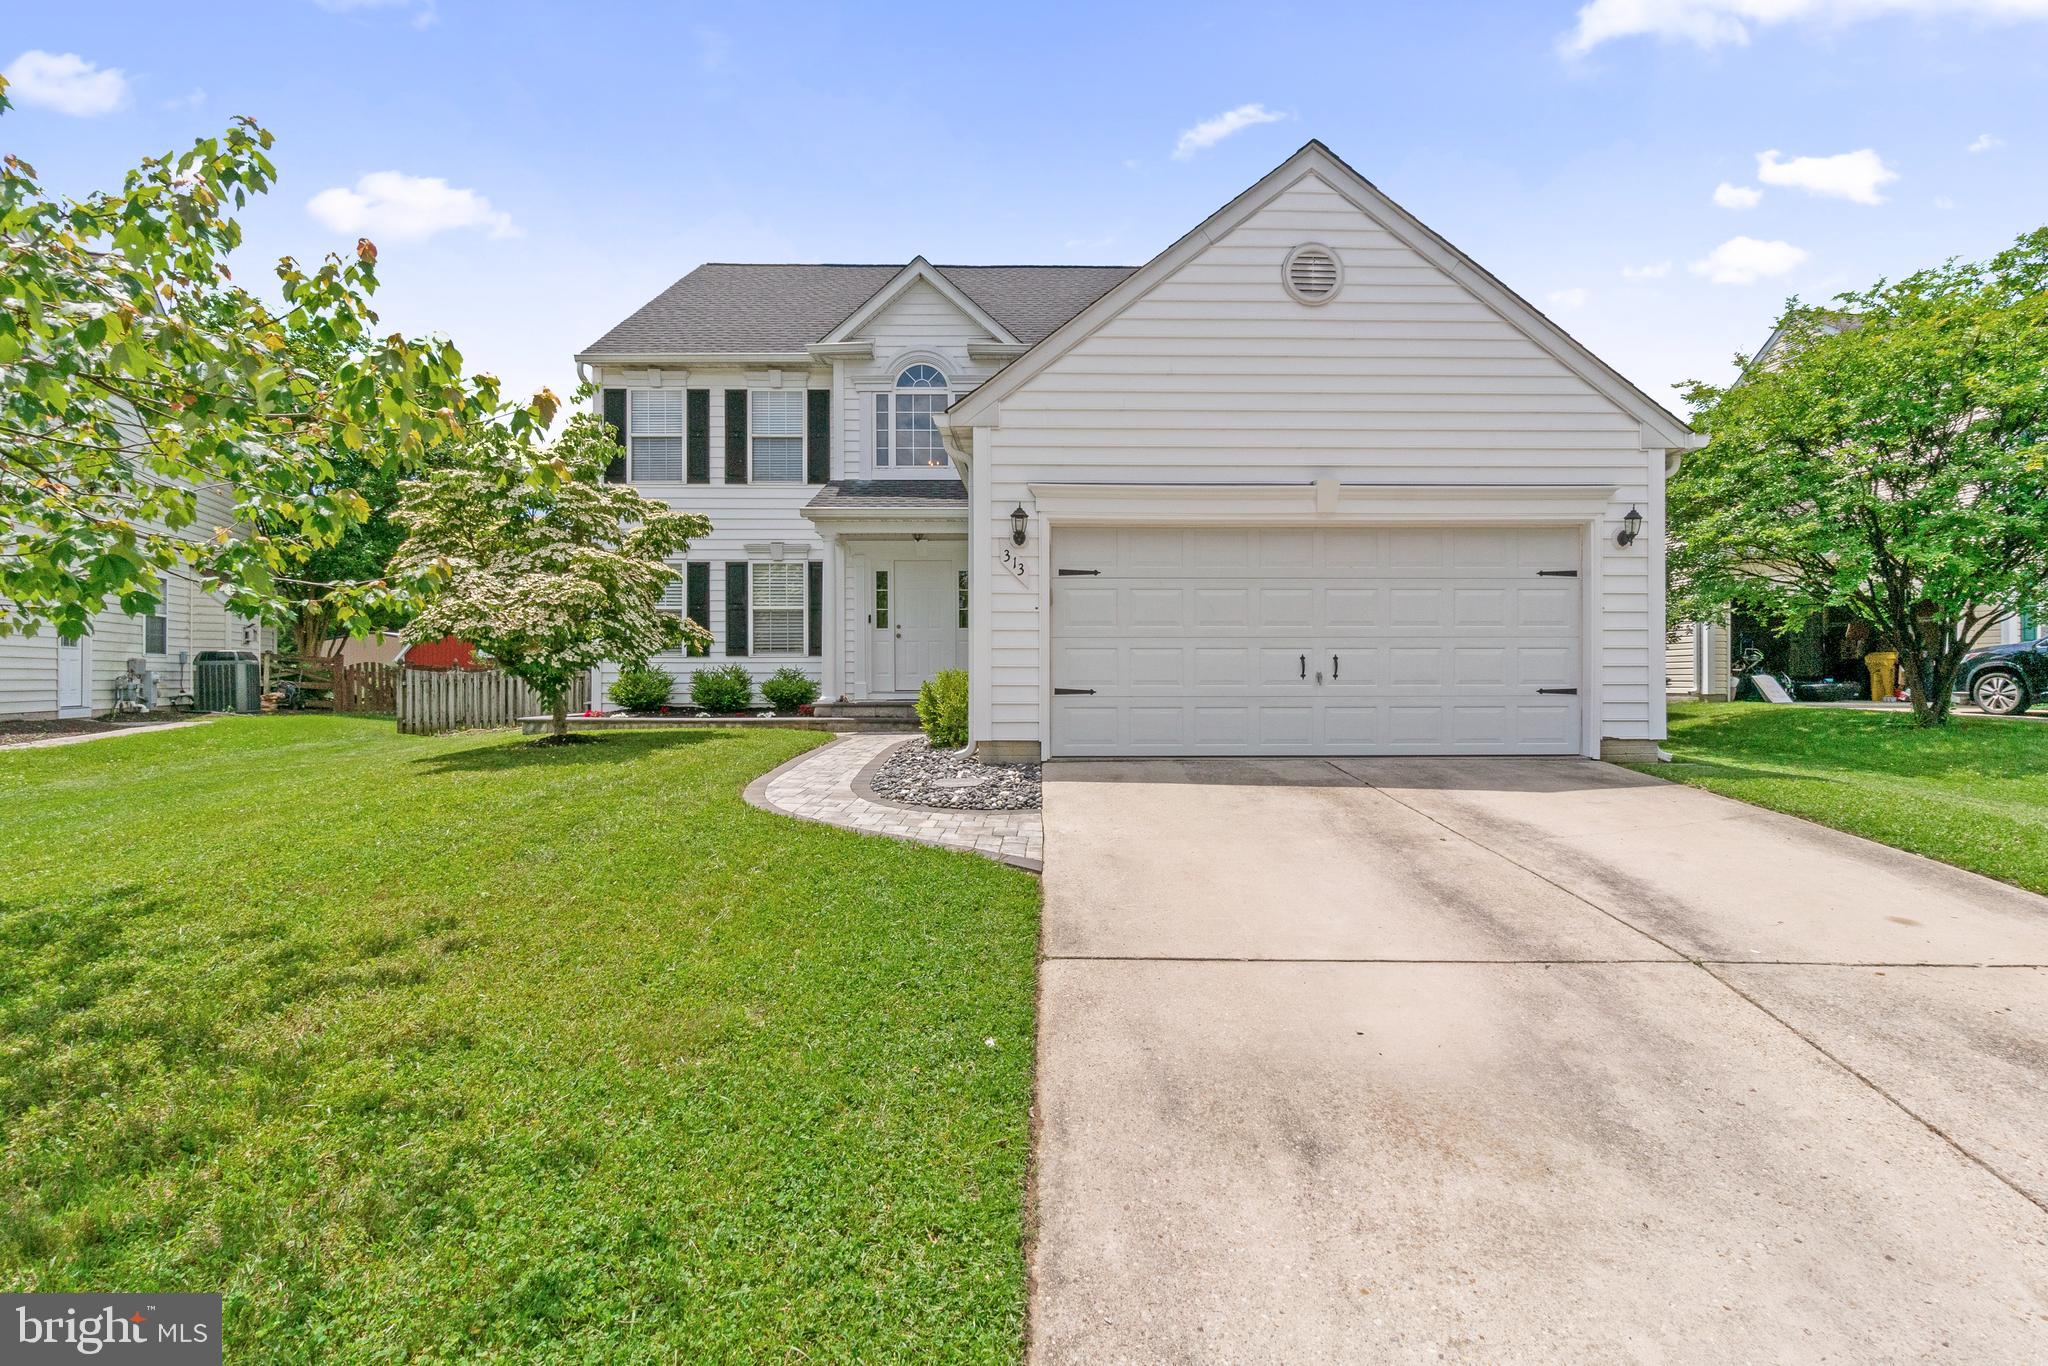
{"x": 778, "y": 308}
{"x": 892, "y": 493}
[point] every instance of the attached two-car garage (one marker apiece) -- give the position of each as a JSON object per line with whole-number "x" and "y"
{"x": 1316, "y": 640}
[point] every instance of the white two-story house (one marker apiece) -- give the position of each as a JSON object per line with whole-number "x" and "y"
{"x": 1309, "y": 481}
{"x": 795, "y": 406}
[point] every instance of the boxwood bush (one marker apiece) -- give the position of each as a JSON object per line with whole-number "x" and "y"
{"x": 641, "y": 687}
{"x": 724, "y": 688}
{"x": 942, "y": 709}
{"x": 787, "y": 689}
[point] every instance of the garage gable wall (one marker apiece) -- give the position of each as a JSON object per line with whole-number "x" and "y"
{"x": 1216, "y": 374}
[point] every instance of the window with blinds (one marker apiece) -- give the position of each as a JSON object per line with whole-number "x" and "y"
{"x": 777, "y": 424}
{"x": 776, "y": 597}
{"x": 654, "y": 436}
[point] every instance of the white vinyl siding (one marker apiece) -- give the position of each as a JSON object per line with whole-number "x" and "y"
{"x": 918, "y": 326}
{"x": 654, "y": 436}
{"x": 1405, "y": 378}
{"x": 776, "y": 611}
{"x": 744, "y": 517}
{"x": 776, "y": 423}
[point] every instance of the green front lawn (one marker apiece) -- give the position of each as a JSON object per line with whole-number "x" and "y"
{"x": 456, "y": 1047}
{"x": 1974, "y": 794}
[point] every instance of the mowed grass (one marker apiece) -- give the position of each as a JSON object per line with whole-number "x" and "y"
{"x": 1974, "y": 793}
{"x": 461, "y": 1048}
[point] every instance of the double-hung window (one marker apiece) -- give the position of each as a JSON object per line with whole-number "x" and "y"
{"x": 776, "y": 421}
{"x": 156, "y": 630}
{"x": 905, "y": 435}
{"x": 776, "y": 607}
{"x": 654, "y": 436}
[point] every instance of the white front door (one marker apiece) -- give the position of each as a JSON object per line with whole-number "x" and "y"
{"x": 74, "y": 678}
{"x": 924, "y": 624}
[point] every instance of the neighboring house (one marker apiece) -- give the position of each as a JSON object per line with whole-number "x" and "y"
{"x": 1308, "y": 482}
{"x": 42, "y": 677}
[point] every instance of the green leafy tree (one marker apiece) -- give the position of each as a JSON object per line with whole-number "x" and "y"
{"x": 134, "y": 372}
{"x": 1888, "y": 458}
{"x": 539, "y": 563}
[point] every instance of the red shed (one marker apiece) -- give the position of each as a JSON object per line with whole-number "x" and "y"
{"x": 449, "y": 652}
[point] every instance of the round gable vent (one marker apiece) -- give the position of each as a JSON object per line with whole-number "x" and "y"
{"x": 1312, "y": 273}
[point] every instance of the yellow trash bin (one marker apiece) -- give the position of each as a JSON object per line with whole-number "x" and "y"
{"x": 1884, "y": 674}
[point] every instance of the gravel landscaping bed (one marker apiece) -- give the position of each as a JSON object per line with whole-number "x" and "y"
{"x": 922, "y": 776}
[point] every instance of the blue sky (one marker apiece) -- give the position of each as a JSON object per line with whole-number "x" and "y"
{"x": 589, "y": 153}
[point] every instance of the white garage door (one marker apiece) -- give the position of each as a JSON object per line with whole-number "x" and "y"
{"x": 1272, "y": 640}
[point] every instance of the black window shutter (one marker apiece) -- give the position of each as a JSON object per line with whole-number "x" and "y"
{"x": 698, "y": 411}
{"x": 814, "y": 603}
{"x": 615, "y": 418}
{"x": 818, "y": 445}
{"x": 697, "y": 596}
{"x": 736, "y": 437}
{"x": 736, "y": 606}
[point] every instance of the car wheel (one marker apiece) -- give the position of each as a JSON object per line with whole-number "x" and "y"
{"x": 2000, "y": 694}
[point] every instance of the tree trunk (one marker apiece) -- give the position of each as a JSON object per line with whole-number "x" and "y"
{"x": 558, "y": 707}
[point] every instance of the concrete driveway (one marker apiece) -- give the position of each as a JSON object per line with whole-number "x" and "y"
{"x": 1524, "y": 1060}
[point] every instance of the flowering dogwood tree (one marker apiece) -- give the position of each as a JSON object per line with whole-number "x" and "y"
{"x": 540, "y": 564}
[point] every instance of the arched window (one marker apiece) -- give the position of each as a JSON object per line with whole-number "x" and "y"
{"x": 905, "y": 436}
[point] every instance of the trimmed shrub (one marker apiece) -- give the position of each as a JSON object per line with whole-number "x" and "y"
{"x": 788, "y": 689}
{"x": 641, "y": 687}
{"x": 942, "y": 709}
{"x": 724, "y": 689}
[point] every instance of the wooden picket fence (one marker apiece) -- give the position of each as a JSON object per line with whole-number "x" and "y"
{"x": 434, "y": 700}
{"x": 329, "y": 685}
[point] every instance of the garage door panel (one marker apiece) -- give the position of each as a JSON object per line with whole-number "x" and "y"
{"x": 1347, "y": 609}
{"x": 1287, "y": 609}
{"x": 1303, "y": 640}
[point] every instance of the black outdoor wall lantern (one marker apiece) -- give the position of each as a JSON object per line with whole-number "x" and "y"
{"x": 1631, "y": 527}
{"x": 1017, "y": 520}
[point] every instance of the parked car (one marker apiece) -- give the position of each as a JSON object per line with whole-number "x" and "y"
{"x": 2007, "y": 679}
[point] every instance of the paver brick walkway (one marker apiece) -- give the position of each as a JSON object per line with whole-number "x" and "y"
{"x": 820, "y": 786}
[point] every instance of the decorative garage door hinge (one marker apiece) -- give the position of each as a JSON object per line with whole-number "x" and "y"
{"x": 1076, "y": 573}
{"x": 1557, "y": 573}
{"x": 1563, "y": 692}
{"x": 1073, "y": 692}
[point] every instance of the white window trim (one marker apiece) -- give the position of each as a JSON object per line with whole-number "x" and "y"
{"x": 803, "y": 437}
{"x": 682, "y": 438}
{"x": 879, "y": 426}
{"x": 803, "y": 612}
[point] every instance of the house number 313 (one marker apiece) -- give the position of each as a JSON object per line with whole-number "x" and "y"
{"x": 1012, "y": 561}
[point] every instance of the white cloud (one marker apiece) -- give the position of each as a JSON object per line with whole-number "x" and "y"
{"x": 1209, "y": 132}
{"x": 1944, "y": 203}
{"x": 191, "y": 99}
{"x": 714, "y": 48}
{"x": 67, "y": 83}
{"x": 423, "y": 11}
{"x": 1713, "y": 23}
{"x": 1745, "y": 260}
{"x": 1850, "y": 175}
{"x": 400, "y": 207}
{"x": 1566, "y": 300}
{"x": 1985, "y": 142}
{"x": 1729, "y": 196}
{"x": 1656, "y": 270}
